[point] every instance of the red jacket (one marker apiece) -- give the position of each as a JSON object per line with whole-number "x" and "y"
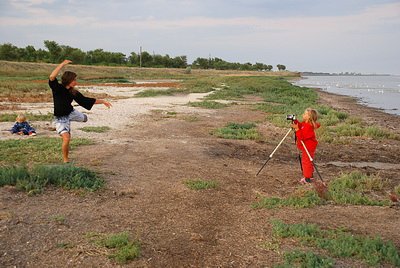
{"x": 306, "y": 134}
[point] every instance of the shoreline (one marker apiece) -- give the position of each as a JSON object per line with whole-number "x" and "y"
{"x": 374, "y": 92}
{"x": 351, "y": 105}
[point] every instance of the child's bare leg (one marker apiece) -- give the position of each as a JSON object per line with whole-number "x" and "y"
{"x": 66, "y": 137}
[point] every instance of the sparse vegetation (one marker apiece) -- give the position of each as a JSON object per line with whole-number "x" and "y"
{"x": 238, "y": 131}
{"x": 100, "y": 129}
{"x": 300, "y": 199}
{"x": 60, "y": 219}
{"x": 349, "y": 189}
{"x": 297, "y": 258}
{"x": 340, "y": 243}
{"x": 10, "y": 117}
{"x": 200, "y": 184}
{"x": 357, "y": 189}
{"x": 208, "y": 104}
{"x": 38, "y": 150}
{"x": 160, "y": 92}
{"x": 397, "y": 189}
{"x": 122, "y": 248}
{"x": 35, "y": 180}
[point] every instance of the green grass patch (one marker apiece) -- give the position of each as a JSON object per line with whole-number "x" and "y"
{"x": 208, "y": 104}
{"x": 353, "y": 188}
{"x": 202, "y": 84}
{"x": 340, "y": 243}
{"x": 238, "y": 131}
{"x": 10, "y": 117}
{"x": 338, "y": 126}
{"x": 38, "y": 150}
{"x": 307, "y": 259}
{"x": 100, "y": 129}
{"x": 122, "y": 248}
{"x": 357, "y": 188}
{"x": 35, "y": 180}
{"x": 60, "y": 219}
{"x": 158, "y": 92}
{"x": 397, "y": 189}
{"x": 200, "y": 184}
{"x": 300, "y": 199}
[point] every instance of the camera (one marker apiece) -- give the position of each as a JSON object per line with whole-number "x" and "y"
{"x": 291, "y": 117}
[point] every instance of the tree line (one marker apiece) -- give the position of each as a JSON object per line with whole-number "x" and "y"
{"x": 54, "y": 53}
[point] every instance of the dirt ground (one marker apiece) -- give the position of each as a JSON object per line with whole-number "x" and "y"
{"x": 145, "y": 159}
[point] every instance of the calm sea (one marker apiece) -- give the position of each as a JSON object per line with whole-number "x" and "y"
{"x": 375, "y": 91}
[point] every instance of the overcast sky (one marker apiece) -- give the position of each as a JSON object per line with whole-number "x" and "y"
{"x": 305, "y": 35}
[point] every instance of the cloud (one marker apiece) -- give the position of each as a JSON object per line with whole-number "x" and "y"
{"x": 373, "y": 16}
{"x": 29, "y": 6}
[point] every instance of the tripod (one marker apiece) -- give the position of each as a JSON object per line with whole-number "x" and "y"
{"x": 305, "y": 148}
{"x": 276, "y": 148}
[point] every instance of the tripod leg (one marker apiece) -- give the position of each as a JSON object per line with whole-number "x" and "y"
{"x": 301, "y": 165}
{"x": 276, "y": 148}
{"x": 263, "y": 166}
{"x": 311, "y": 159}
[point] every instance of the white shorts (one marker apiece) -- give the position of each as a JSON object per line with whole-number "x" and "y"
{"x": 63, "y": 123}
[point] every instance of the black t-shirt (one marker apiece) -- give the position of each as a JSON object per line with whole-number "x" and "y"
{"x": 63, "y": 98}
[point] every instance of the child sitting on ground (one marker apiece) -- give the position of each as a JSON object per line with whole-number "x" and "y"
{"x": 22, "y": 127}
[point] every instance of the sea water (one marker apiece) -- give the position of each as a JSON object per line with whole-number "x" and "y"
{"x": 380, "y": 91}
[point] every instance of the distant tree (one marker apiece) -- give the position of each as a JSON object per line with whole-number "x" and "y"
{"x": 201, "y": 63}
{"x": 54, "y": 50}
{"x": 42, "y": 55}
{"x": 281, "y": 67}
{"x": 75, "y": 54}
{"x": 179, "y": 62}
{"x": 146, "y": 59}
{"x": 133, "y": 59}
{"x": 30, "y": 54}
{"x": 259, "y": 66}
{"x": 9, "y": 52}
{"x": 268, "y": 67}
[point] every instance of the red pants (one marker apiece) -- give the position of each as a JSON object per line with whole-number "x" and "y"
{"x": 306, "y": 164}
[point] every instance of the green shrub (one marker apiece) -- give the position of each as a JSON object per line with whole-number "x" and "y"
{"x": 10, "y": 117}
{"x": 66, "y": 176}
{"x": 208, "y": 104}
{"x": 340, "y": 243}
{"x": 100, "y": 129}
{"x": 158, "y": 92}
{"x": 298, "y": 200}
{"x": 238, "y": 131}
{"x": 10, "y": 175}
{"x": 200, "y": 184}
{"x": 298, "y": 258}
{"x": 353, "y": 188}
{"x": 397, "y": 189}
{"x": 37, "y": 150}
{"x": 124, "y": 249}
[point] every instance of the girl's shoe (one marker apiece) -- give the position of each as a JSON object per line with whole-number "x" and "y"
{"x": 306, "y": 180}
{"x": 303, "y": 181}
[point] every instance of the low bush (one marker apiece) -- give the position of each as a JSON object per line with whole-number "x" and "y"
{"x": 35, "y": 180}
{"x": 100, "y": 129}
{"x": 245, "y": 131}
{"x": 340, "y": 243}
{"x": 122, "y": 248}
{"x": 200, "y": 184}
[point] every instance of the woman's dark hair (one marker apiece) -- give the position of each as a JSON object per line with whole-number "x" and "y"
{"x": 67, "y": 78}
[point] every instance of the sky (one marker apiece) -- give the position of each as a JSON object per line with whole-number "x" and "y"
{"x": 360, "y": 36}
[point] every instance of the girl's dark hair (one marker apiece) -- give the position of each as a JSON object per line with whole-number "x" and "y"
{"x": 67, "y": 78}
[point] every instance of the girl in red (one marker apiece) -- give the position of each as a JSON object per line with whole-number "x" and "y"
{"x": 305, "y": 133}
